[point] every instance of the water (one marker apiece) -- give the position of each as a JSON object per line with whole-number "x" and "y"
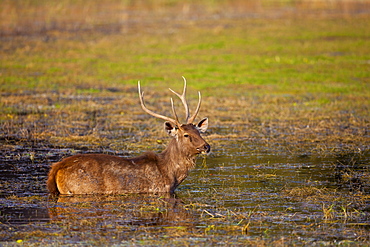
{"x": 234, "y": 197}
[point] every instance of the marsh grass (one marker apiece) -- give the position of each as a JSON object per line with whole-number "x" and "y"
{"x": 293, "y": 83}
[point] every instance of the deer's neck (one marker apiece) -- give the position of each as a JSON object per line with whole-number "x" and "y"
{"x": 177, "y": 162}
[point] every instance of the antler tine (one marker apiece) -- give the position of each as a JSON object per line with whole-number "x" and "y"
{"x": 183, "y": 99}
{"x": 173, "y": 111}
{"x": 191, "y": 120}
{"x": 141, "y": 96}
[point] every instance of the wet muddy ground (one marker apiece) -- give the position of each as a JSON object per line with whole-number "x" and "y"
{"x": 286, "y": 168}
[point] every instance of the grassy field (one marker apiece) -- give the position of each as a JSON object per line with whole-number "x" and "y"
{"x": 304, "y": 75}
{"x": 278, "y": 77}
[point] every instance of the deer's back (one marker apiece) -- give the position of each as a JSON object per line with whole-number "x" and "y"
{"x": 106, "y": 174}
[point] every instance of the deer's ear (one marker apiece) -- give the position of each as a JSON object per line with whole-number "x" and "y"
{"x": 202, "y": 126}
{"x": 170, "y": 128}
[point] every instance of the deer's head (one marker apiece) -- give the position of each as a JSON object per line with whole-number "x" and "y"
{"x": 187, "y": 135}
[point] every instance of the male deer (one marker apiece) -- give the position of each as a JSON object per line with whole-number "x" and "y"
{"x": 148, "y": 173}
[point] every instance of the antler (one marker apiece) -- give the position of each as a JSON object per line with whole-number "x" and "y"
{"x": 141, "y": 96}
{"x": 184, "y": 102}
{"x": 191, "y": 120}
{"x": 183, "y": 99}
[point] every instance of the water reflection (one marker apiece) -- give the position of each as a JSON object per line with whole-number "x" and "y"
{"x": 133, "y": 209}
{"x": 23, "y": 215}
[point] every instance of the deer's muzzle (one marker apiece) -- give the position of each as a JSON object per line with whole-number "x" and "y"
{"x": 205, "y": 149}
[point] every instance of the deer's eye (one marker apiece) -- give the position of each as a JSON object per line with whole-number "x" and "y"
{"x": 186, "y": 135}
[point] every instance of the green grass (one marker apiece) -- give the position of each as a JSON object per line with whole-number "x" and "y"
{"x": 289, "y": 57}
{"x": 306, "y": 70}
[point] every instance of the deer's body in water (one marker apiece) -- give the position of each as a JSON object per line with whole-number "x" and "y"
{"x": 148, "y": 173}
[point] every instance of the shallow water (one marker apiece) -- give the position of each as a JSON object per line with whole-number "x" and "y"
{"x": 242, "y": 195}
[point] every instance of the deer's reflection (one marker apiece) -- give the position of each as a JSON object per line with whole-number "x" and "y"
{"x": 130, "y": 210}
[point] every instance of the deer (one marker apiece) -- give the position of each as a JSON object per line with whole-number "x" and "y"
{"x": 148, "y": 173}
